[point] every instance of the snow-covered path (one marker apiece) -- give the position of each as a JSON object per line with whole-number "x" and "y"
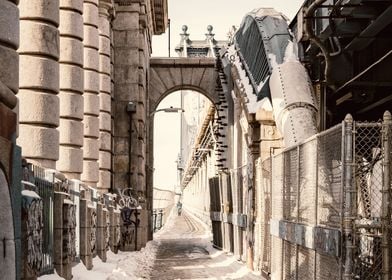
{"x": 184, "y": 251}
{"x": 181, "y": 250}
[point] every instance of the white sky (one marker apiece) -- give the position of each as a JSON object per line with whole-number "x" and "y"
{"x": 221, "y": 14}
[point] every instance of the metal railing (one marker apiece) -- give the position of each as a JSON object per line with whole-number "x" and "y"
{"x": 45, "y": 189}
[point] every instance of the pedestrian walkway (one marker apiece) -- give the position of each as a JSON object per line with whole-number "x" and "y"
{"x": 185, "y": 252}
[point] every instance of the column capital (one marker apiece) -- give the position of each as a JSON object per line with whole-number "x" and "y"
{"x": 106, "y": 8}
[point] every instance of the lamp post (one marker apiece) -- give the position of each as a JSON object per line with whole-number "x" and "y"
{"x": 171, "y": 109}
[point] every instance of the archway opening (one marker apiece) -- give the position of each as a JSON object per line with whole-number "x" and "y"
{"x": 174, "y": 137}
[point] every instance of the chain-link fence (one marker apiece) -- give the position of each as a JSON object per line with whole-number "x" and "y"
{"x": 330, "y": 205}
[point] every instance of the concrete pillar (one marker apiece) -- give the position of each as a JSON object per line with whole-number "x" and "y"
{"x": 64, "y": 225}
{"x": 115, "y": 231}
{"x": 88, "y": 224}
{"x": 105, "y": 121}
{"x": 132, "y": 52}
{"x": 102, "y": 231}
{"x": 90, "y": 173}
{"x": 9, "y": 83}
{"x": 39, "y": 81}
{"x": 71, "y": 88}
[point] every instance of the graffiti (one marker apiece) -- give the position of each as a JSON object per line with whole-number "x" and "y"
{"x": 93, "y": 234}
{"x": 127, "y": 200}
{"x": 33, "y": 227}
{"x": 107, "y": 232}
{"x": 130, "y": 222}
{"x": 69, "y": 232}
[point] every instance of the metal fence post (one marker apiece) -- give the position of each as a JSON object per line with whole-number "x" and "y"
{"x": 386, "y": 188}
{"x": 349, "y": 204}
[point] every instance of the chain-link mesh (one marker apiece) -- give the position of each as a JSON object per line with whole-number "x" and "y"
{"x": 265, "y": 243}
{"x": 368, "y": 180}
{"x": 329, "y": 178}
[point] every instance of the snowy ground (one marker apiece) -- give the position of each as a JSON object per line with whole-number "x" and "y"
{"x": 180, "y": 250}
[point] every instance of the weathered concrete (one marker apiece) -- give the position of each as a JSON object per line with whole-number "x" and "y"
{"x": 39, "y": 81}
{"x": 71, "y": 89}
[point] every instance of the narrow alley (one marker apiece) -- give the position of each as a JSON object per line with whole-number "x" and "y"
{"x": 185, "y": 252}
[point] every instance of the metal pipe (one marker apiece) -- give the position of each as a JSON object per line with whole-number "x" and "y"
{"x": 386, "y": 188}
{"x": 348, "y": 198}
{"x": 312, "y": 37}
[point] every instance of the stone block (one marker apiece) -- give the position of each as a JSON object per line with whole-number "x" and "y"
{"x": 71, "y": 78}
{"x": 90, "y": 13}
{"x": 64, "y": 218}
{"x": 39, "y": 38}
{"x": 91, "y": 104}
{"x": 71, "y": 132}
{"x": 121, "y": 163}
{"x": 104, "y": 45}
{"x": 91, "y": 126}
{"x": 121, "y": 180}
{"x": 91, "y": 149}
{"x": 91, "y": 81}
{"x": 127, "y": 56}
{"x": 87, "y": 233}
{"x": 91, "y": 37}
{"x": 38, "y": 73}
{"x": 105, "y": 160}
{"x": 46, "y": 10}
{"x": 105, "y": 102}
{"x": 90, "y": 171}
{"x": 126, "y": 38}
{"x": 71, "y": 51}
{"x": 126, "y": 21}
{"x": 39, "y": 108}
{"x": 91, "y": 59}
{"x": 102, "y": 231}
{"x": 115, "y": 232}
{"x": 104, "y": 26}
{"x": 71, "y": 23}
{"x": 9, "y": 70}
{"x": 72, "y": 105}
{"x": 124, "y": 92}
{"x": 105, "y": 121}
{"x": 39, "y": 142}
{"x": 104, "y": 179}
{"x": 76, "y": 5}
{"x": 105, "y": 139}
{"x": 71, "y": 160}
{"x": 105, "y": 83}
{"x": 104, "y": 64}
{"x": 9, "y": 24}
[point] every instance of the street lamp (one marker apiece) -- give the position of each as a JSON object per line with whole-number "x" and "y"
{"x": 171, "y": 109}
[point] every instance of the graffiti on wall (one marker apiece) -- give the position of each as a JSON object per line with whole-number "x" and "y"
{"x": 69, "y": 232}
{"x": 129, "y": 218}
{"x": 93, "y": 233}
{"x": 33, "y": 230}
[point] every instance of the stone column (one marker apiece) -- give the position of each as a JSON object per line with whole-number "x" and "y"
{"x": 88, "y": 217}
{"x": 105, "y": 121}
{"x": 71, "y": 88}
{"x": 102, "y": 231}
{"x": 115, "y": 231}
{"x": 64, "y": 224}
{"x": 39, "y": 81}
{"x": 90, "y": 173}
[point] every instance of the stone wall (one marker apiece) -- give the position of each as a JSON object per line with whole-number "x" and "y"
{"x": 9, "y": 84}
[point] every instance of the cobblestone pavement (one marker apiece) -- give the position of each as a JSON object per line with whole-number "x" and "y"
{"x": 185, "y": 252}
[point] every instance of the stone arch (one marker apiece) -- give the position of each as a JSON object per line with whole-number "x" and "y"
{"x": 168, "y": 75}
{"x": 7, "y": 263}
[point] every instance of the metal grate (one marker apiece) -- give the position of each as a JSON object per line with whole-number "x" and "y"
{"x": 45, "y": 189}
